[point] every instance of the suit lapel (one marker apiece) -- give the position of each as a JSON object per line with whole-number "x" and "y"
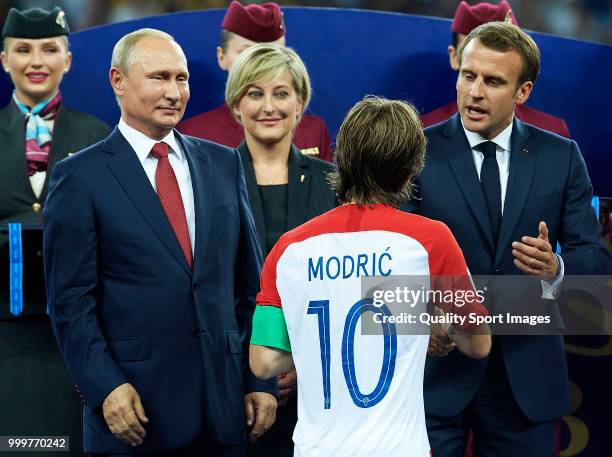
{"x": 199, "y": 168}
{"x": 14, "y": 157}
{"x": 124, "y": 164}
{"x": 60, "y": 142}
{"x": 522, "y": 167}
{"x": 460, "y": 158}
{"x": 253, "y": 191}
{"x": 298, "y": 191}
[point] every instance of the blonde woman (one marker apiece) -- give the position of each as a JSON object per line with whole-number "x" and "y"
{"x": 36, "y": 131}
{"x": 268, "y": 90}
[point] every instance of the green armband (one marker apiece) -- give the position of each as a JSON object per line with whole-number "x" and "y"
{"x": 270, "y": 328}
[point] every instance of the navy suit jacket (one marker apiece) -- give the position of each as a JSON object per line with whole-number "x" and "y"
{"x": 126, "y": 307}
{"x": 548, "y": 181}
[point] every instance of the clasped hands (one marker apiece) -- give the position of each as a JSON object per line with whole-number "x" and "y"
{"x": 125, "y": 415}
{"x": 533, "y": 256}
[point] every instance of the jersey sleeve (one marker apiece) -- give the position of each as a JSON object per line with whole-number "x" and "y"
{"x": 269, "y": 326}
{"x": 453, "y": 279}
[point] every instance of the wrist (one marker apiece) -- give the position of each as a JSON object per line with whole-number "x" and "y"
{"x": 552, "y": 279}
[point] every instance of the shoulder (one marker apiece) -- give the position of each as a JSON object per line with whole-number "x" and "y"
{"x": 7, "y": 111}
{"x": 82, "y": 120}
{"x": 439, "y": 114}
{"x": 318, "y": 225}
{"x": 318, "y": 165}
{"x": 85, "y": 162}
{"x": 416, "y": 226}
{"x": 200, "y": 145}
{"x": 218, "y": 155}
{"x": 542, "y": 120}
{"x": 8, "y": 115}
{"x": 444, "y": 131}
{"x": 312, "y": 122}
{"x": 202, "y": 118}
{"x": 312, "y": 119}
{"x": 548, "y": 141}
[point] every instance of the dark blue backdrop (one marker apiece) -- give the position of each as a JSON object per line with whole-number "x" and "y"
{"x": 351, "y": 53}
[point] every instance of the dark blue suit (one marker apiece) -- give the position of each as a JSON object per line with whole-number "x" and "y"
{"x": 548, "y": 181}
{"x": 127, "y": 308}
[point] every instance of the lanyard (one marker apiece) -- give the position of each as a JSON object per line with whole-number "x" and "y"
{"x": 16, "y": 268}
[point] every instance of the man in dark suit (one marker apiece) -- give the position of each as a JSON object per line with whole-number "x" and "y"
{"x": 509, "y": 192}
{"x": 152, "y": 262}
{"x": 467, "y": 18}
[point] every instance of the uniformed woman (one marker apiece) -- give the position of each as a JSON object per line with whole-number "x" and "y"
{"x": 36, "y": 131}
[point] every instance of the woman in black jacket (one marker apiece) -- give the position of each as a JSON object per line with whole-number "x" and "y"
{"x": 36, "y": 131}
{"x": 268, "y": 91}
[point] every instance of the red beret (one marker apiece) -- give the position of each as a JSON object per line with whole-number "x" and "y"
{"x": 261, "y": 23}
{"x": 467, "y": 17}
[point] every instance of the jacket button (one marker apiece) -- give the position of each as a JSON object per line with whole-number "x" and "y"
{"x": 37, "y": 207}
{"x": 196, "y": 332}
{"x": 196, "y": 287}
{"x": 498, "y": 272}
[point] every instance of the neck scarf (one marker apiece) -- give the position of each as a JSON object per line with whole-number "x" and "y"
{"x": 38, "y": 134}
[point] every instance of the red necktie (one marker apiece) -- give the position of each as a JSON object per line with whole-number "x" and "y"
{"x": 169, "y": 196}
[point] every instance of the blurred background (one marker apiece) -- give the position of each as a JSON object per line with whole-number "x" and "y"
{"x": 582, "y": 19}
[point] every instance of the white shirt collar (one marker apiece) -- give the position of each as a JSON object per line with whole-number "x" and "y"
{"x": 142, "y": 144}
{"x": 502, "y": 140}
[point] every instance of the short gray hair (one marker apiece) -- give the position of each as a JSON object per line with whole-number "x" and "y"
{"x": 123, "y": 52}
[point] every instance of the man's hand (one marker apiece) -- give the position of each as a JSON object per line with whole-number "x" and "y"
{"x": 124, "y": 414}
{"x": 287, "y": 385}
{"x": 260, "y": 413}
{"x": 440, "y": 343}
{"x": 535, "y": 256}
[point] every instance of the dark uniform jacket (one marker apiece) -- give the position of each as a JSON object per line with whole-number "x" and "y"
{"x": 309, "y": 194}
{"x": 218, "y": 125}
{"x": 73, "y": 131}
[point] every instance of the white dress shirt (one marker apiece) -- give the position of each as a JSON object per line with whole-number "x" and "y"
{"x": 142, "y": 145}
{"x": 502, "y": 143}
{"x": 550, "y": 290}
{"x": 37, "y": 180}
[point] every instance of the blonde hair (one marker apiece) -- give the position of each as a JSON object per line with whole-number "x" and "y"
{"x": 380, "y": 150}
{"x": 123, "y": 53}
{"x": 266, "y": 62}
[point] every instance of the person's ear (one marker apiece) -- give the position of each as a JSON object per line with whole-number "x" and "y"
{"x": 221, "y": 61}
{"x": 523, "y": 92}
{"x": 3, "y": 57}
{"x": 453, "y": 59}
{"x": 68, "y": 62}
{"x": 116, "y": 79}
{"x": 237, "y": 114}
{"x": 299, "y": 111}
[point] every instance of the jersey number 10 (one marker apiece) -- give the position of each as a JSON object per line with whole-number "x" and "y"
{"x": 321, "y": 309}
